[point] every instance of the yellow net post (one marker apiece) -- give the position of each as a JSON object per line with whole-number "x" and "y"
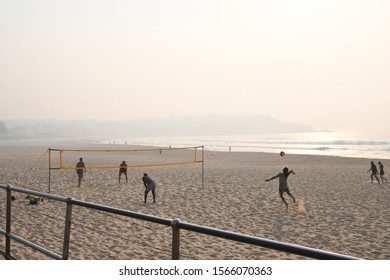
{"x": 49, "y": 156}
{"x": 51, "y": 165}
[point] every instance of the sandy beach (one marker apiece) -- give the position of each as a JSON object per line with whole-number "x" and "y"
{"x": 338, "y": 209}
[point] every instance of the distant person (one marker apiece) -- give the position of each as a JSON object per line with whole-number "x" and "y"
{"x": 382, "y": 172}
{"x": 283, "y": 184}
{"x": 123, "y": 170}
{"x": 374, "y": 172}
{"x": 80, "y": 169}
{"x": 149, "y": 186}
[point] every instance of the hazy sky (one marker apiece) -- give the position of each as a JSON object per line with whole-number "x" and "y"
{"x": 325, "y": 63}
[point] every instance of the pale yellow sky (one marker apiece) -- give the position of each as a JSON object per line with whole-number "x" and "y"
{"x": 324, "y": 63}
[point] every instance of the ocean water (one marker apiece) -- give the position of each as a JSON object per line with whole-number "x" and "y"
{"x": 316, "y": 143}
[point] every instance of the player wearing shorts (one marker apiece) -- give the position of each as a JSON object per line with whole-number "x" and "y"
{"x": 123, "y": 170}
{"x": 283, "y": 188}
{"x": 80, "y": 169}
{"x": 374, "y": 172}
{"x": 382, "y": 172}
{"x": 149, "y": 186}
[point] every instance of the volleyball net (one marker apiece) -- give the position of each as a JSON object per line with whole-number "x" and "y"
{"x": 66, "y": 159}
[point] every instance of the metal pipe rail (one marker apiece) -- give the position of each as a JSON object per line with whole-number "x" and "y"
{"x": 176, "y": 225}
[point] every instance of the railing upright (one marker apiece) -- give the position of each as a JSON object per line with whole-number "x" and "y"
{"x": 175, "y": 239}
{"x": 8, "y": 224}
{"x": 68, "y": 224}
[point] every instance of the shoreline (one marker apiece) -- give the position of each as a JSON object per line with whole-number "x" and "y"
{"x": 363, "y": 149}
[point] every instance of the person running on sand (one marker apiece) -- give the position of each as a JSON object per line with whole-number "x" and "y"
{"x": 283, "y": 184}
{"x": 149, "y": 186}
{"x": 80, "y": 169}
{"x": 374, "y": 172}
{"x": 382, "y": 172}
{"x": 123, "y": 170}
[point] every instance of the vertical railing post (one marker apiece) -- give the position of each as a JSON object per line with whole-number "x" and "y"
{"x": 175, "y": 239}
{"x": 68, "y": 223}
{"x": 8, "y": 224}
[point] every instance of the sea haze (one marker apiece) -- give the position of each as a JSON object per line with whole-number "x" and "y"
{"x": 147, "y": 127}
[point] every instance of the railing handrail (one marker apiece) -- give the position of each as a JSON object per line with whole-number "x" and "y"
{"x": 263, "y": 242}
{"x": 32, "y": 192}
{"x": 123, "y": 212}
{"x": 176, "y": 224}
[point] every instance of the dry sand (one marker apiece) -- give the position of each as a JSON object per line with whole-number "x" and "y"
{"x": 338, "y": 209}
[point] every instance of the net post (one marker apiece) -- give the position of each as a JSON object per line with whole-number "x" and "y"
{"x": 61, "y": 151}
{"x": 202, "y": 167}
{"x": 195, "y": 152}
{"x": 49, "y": 153}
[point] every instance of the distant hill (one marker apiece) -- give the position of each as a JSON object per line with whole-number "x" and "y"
{"x": 172, "y": 126}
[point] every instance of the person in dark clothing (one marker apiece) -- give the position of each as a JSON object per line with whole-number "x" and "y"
{"x": 149, "y": 186}
{"x": 80, "y": 169}
{"x": 283, "y": 184}
{"x": 123, "y": 170}
{"x": 382, "y": 172}
{"x": 374, "y": 172}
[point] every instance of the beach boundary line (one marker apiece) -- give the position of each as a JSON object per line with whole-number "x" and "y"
{"x": 175, "y": 224}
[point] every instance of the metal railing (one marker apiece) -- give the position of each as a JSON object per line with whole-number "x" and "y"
{"x": 176, "y": 225}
